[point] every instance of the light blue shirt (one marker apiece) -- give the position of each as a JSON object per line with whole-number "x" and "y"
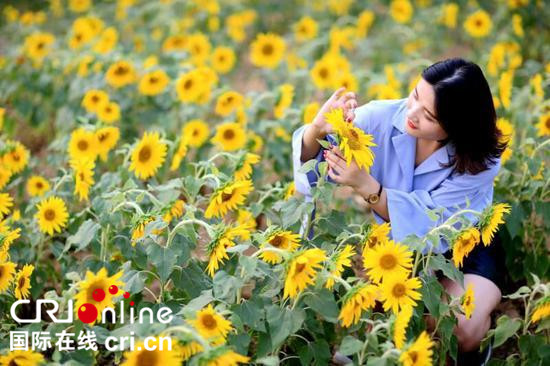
{"x": 411, "y": 191}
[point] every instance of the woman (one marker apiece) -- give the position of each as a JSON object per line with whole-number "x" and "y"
{"x": 438, "y": 148}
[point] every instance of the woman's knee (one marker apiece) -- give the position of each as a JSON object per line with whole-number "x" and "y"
{"x": 470, "y": 332}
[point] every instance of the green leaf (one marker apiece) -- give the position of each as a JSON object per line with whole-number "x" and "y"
{"x": 324, "y": 304}
{"x": 324, "y": 143}
{"x": 164, "y": 260}
{"x": 506, "y": 327}
{"x": 250, "y": 314}
{"x": 431, "y": 294}
{"x": 307, "y": 166}
{"x": 282, "y": 323}
{"x": 268, "y": 361}
{"x": 84, "y": 235}
{"x": 438, "y": 262}
{"x": 350, "y": 345}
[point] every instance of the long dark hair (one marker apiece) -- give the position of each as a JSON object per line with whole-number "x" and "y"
{"x": 465, "y": 110}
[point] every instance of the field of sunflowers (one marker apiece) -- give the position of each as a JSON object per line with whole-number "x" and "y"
{"x": 145, "y": 166}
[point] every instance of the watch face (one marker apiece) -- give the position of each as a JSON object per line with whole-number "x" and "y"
{"x": 373, "y": 198}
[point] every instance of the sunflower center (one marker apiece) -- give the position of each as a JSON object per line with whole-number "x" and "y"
{"x": 15, "y": 156}
{"x": 102, "y": 136}
{"x": 153, "y": 80}
{"x": 21, "y": 282}
{"x": 1, "y": 271}
{"x": 147, "y": 358}
{"x": 39, "y": 185}
{"x": 95, "y": 98}
{"x": 388, "y": 261}
{"x": 195, "y": 132}
{"x": 228, "y": 134}
{"x": 40, "y": 45}
{"x": 144, "y": 154}
{"x": 121, "y": 70}
{"x": 276, "y": 241}
{"x": 49, "y": 214}
{"x": 323, "y": 73}
{"x": 188, "y": 84}
{"x": 398, "y": 290}
{"x": 82, "y": 145}
{"x": 414, "y": 356}
{"x": 226, "y": 196}
{"x": 478, "y": 23}
{"x": 209, "y": 321}
{"x": 267, "y": 49}
{"x": 547, "y": 123}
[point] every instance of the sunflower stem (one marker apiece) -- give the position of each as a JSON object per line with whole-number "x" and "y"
{"x": 172, "y": 234}
{"x": 129, "y": 203}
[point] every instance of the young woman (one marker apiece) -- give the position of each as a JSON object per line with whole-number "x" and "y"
{"x": 438, "y": 148}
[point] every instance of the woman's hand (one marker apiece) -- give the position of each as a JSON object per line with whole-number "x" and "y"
{"x": 347, "y": 101}
{"x": 340, "y": 172}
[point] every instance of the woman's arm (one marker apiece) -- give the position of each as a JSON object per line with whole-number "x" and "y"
{"x": 310, "y": 146}
{"x": 369, "y": 186}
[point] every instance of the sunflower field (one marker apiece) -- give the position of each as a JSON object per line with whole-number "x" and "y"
{"x": 146, "y": 172}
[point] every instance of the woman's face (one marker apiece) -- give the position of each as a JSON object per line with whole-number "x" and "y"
{"x": 421, "y": 120}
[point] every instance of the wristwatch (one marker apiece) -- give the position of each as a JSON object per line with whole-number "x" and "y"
{"x": 373, "y": 197}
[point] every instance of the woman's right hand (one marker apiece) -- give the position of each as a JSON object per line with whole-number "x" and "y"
{"x": 346, "y": 101}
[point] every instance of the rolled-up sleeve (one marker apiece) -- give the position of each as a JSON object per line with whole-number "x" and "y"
{"x": 408, "y": 211}
{"x": 304, "y": 181}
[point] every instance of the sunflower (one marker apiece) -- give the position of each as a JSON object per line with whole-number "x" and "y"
{"x": 23, "y": 282}
{"x": 347, "y": 80}
{"x": 310, "y": 111}
{"x": 301, "y": 271}
{"x": 120, "y": 74}
{"x": 507, "y": 136}
{"x": 98, "y": 281}
{"x": 228, "y": 102}
{"x": 289, "y": 191}
{"x": 247, "y": 220}
{"x": 305, "y": 29}
{"x": 228, "y": 197}
{"x": 190, "y": 86}
{"x": 401, "y": 10}
{"x": 225, "y": 356}
{"x": 478, "y": 24}
{"x": 139, "y": 229}
{"x": 148, "y": 156}
{"x": 80, "y": 6}
{"x": 387, "y": 259}
{"x": 195, "y": 132}
{"x": 18, "y": 357}
{"x": 176, "y": 210}
{"x": 400, "y": 326}
{"x": 376, "y": 235}
{"x": 107, "y": 41}
{"x": 244, "y": 166}
{"x": 211, "y": 326}
{"x": 6, "y": 202}
{"x": 323, "y": 73}
{"x": 38, "y": 45}
{"x": 153, "y": 83}
{"x": 464, "y": 243}
{"x": 354, "y": 142}
{"x": 286, "y": 94}
{"x": 189, "y": 349}
{"x": 230, "y": 136}
{"x": 93, "y": 99}
{"x": 492, "y": 218}
{"x": 7, "y": 273}
{"x": 7, "y": 237}
{"x": 106, "y": 138}
{"x": 5, "y": 175}
{"x": 542, "y": 310}
{"x": 419, "y": 353}
{"x": 223, "y": 59}
{"x": 337, "y": 263}
{"x": 83, "y": 144}
{"x": 84, "y": 176}
{"x": 361, "y": 297}
{"x": 505, "y": 83}
{"x": 199, "y": 47}
{"x": 543, "y": 126}
{"x": 109, "y": 112}
{"x": 17, "y": 157}
{"x": 160, "y": 354}
{"x": 267, "y": 50}
{"x": 174, "y": 43}
{"x": 285, "y": 240}
{"x": 37, "y": 186}
{"x": 468, "y": 298}
{"x": 217, "y": 248}
{"x": 52, "y": 215}
{"x": 398, "y": 291}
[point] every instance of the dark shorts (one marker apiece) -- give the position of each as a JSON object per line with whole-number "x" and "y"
{"x": 485, "y": 261}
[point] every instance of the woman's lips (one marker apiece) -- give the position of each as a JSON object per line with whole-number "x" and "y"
{"x": 411, "y": 125}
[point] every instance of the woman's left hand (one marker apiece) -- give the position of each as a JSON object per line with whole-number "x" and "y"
{"x": 340, "y": 172}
